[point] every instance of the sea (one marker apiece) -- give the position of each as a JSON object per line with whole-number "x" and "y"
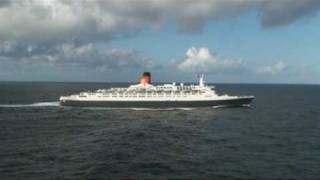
{"x": 277, "y": 137}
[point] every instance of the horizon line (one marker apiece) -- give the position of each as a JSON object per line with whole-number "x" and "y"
{"x": 135, "y": 82}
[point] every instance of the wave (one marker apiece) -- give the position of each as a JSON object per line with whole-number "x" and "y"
{"x": 38, "y": 104}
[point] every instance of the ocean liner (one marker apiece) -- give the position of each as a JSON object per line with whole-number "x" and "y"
{"x": 146, "y": 95}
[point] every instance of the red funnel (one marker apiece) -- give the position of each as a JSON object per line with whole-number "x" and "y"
{"x": 146, "y": 79}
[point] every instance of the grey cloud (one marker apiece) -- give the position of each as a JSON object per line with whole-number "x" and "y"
{"x": 4, "y": 3}
{"x": 75, "y": 55}
{"x": 63, "y": 32}
{"x": 95, "y": 20}
{"x": 277, "y": 13}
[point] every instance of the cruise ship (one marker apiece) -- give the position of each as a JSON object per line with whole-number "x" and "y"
{"x": 146, "y": 95}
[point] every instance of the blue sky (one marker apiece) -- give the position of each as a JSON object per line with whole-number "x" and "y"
{"x": 241, "y": 42}
{"x": 239, "y": 38}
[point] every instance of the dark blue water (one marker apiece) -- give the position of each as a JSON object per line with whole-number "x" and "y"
{"x": 278, "y": 137}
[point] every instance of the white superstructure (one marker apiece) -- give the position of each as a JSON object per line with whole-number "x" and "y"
{"x": 147, "y": 95}
{"x": 145, "y": 92}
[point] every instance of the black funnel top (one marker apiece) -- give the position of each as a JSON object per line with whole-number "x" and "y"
{"x": 147, "y": 74}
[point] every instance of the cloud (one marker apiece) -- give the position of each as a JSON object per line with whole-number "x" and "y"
{"x": 202, "y": 60}
{"x": 274, "y": 69}
{"x": 95, "y": 20}
{"x": 4, "y": 3}
{"x": 64, "y": 32}
{"x": 283, "y": 12}
{"x": 75, "y": 55}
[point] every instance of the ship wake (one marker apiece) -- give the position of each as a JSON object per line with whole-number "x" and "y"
{"x": 37, "y": 104}
{"x": 232, "y": 106}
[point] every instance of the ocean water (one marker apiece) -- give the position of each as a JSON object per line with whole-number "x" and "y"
{"x": 277, "y": 137}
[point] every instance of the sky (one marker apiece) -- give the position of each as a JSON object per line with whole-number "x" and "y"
{"x": 230, "y": 41}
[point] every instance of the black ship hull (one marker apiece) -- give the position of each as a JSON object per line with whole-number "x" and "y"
{"x": 234, "y": 102}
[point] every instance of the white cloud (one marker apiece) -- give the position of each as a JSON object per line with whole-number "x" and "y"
{"x": 274, "y": 69}
{"x": 201, "y": 60}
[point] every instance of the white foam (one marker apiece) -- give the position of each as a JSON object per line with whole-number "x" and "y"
{"x": 160, "y": 109}
{"x": 219, "y": 106}
{"x": 38, "y": 104}
{"x": 139, "y": 109}
{"x": 226, "y": 106}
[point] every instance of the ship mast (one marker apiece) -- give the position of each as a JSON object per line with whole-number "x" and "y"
{"x": 201, "y": 80}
